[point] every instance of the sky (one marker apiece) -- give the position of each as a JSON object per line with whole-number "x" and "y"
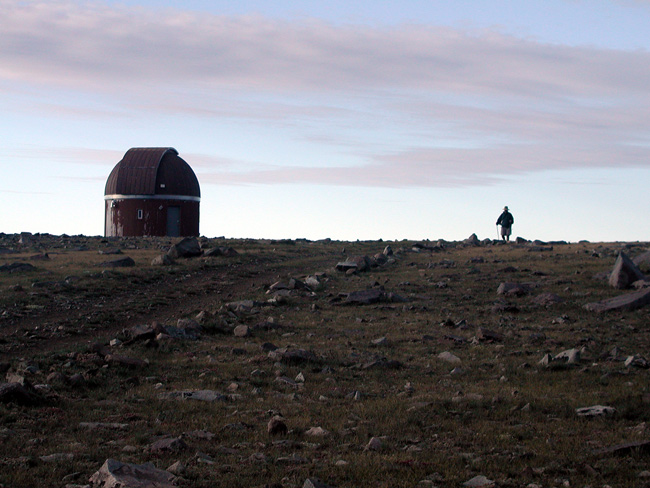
{"x": 345, "y": 120}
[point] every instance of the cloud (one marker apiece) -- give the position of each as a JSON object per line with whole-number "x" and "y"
{"x": 406, "y": 105}
{"x": 100, "y": 46}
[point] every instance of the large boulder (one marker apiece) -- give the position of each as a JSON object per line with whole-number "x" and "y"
{"x": 629, "y": 301}
{"x": 186, "y": 248}
{"x": 625, "y": 272}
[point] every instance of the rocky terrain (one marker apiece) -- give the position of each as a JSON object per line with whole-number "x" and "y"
{"x": 142, "y": 362}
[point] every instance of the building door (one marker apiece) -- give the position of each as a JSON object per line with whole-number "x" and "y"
{"x": 173, "y": 221}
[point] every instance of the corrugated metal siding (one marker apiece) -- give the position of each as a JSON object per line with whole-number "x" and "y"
{"x": 142, "y": 170}
{"x": 177, "y": 177}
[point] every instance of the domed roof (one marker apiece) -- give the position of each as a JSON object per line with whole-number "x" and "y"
{"x": 152, "y": 171}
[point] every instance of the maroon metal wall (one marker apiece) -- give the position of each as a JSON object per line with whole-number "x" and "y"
{"x": 122, "y": 217}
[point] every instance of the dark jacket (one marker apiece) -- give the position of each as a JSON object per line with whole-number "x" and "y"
{"x": 506, "y": 219}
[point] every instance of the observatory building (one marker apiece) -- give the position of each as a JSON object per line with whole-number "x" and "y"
{"x": 152, "y": 192}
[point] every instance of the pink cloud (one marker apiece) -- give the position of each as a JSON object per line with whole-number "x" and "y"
{"x": 464, "y": 108}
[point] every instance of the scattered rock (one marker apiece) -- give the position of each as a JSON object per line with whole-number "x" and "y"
{"x": 115, "y": 474}
{"x": 513, "y": 289}
{"x": 626, "y": 448}
{"x": 162, "y": 260}
{"x": 220, "y": 251}
{"x": 374, "y": 444}
{"x": 126, "y": 262}
{"x": 188, "y": 247}
{"x": 200, "y": 395}
{"x": 486, "y": 335}
{"x": 479, "y": 482}
{"x": 317, "y": 432}
{"x": 177, "y": 469}
{"x": 595, "y": 411}
{"x": 125, "y": 361}
{"x": 242, "y": 331}
{"x": 637, "y": 361}
{"x": 168, "y": 444}
{"x": 16, "y": 268}
{"x": 315, "y": 483}
{"x": 547, "y": 299}
{"x": 449, "y": 357}
{"x": 20, "y": 393}
{"x": 628, "y": 302}
{"x": 625, "y": 272}
{"x": 293, "y": 356}
{"x": 276, "y": 426}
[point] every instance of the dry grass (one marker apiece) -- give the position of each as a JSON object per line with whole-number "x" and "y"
{"x": 503, "y": 416}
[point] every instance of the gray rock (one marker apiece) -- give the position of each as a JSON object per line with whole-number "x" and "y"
{"x": 126, "y": 262}
{"x": 293, "y": 356}
{"x": 570, "y": 356}
{"x": 162, "y": 260}
{"x": 199, "y": 395}
{"x": 366, "y": 297}
{"x": 374, "y": 444}
{"x": 314, "y": 282}
{"x": 20, "y": 394}
{"x": 186, "y": 248}
{"x": 315, "y": 483}
{"x": 449, "y": 357}
{"x": 625, "y": 272}
{"x": 58, "y": 457}
{"x": 479, "y": 482}
{"x": 126, "y": 361}
{"x": 16, "y": 268}
{"x": 547, "y": 299}
{"x": 242, "y": 331}
{"x": 168, "y": 444}
{"x": 472, "y": 240}
{"x": 220, "y": 251}
{"x": 276, "y": 426}
{"x": 103, "y": 425}
{"x": 637, "y": 361}
{"x": 177, "y": 469}
{"x": 516, "y": 289}
{"x": 628, "y": 301}
{"x": 642, "y": 261}
{"x": 115, "y": 474}
{"x": 595, "y": 411}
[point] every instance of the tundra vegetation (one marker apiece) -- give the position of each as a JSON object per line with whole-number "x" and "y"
{"x": 441, "y": 364}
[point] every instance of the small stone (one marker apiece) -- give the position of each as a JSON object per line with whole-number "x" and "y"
{"x": 479, "y": 481}
{"x": 116, "y": 473}
{"x": 169, "y": 444}
{"x": 374, "y": 444}
{"x": 314, "y": 483}
{"x": 276, "y": 426}
{"x": 178, "y": 468}
{"x": 449, "y": 357}
{"x": 317, "y": 432}
{"x": 595, "y": 411}
{"x": 242, "y": 331}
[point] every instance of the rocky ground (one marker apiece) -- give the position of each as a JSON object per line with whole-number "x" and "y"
{"x": 213, "y": 362}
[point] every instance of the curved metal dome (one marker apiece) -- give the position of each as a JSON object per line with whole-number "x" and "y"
{"x": 152, "y": 171}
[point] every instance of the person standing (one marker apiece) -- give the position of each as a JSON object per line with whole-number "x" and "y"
{"x": 506, "y": 220}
